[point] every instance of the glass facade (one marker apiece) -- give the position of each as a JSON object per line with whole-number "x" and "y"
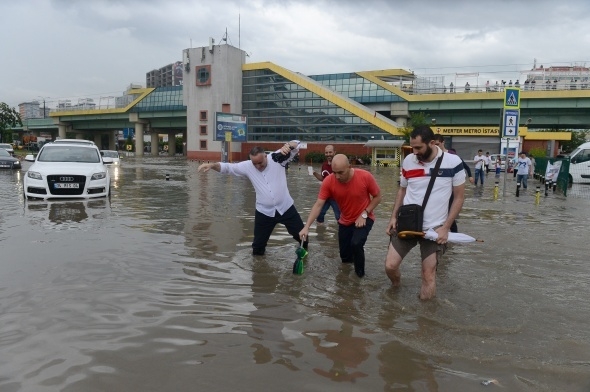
{"x": 161, "y": 99}
{"x": 356, "y": 87}
{"x": 281, "y": 110}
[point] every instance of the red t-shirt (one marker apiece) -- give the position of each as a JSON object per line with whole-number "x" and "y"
{"x": 352, "y": 197}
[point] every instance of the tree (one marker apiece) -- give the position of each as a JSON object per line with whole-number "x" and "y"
{"x": 578, "y": 137}
{"x": 416, "y": 119}
{"x": 9, "y": 118}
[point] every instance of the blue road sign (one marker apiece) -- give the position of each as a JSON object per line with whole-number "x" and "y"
{"x": 510, "y": 128}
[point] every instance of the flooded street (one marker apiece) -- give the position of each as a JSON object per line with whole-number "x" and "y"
{"x": 156, "y": 290}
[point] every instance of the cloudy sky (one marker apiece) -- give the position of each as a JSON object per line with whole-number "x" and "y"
{"x": 58, "y": 49}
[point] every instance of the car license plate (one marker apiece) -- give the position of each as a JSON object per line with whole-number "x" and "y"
{"x": 67, "y": 186}
{"x": 4, "y": 165}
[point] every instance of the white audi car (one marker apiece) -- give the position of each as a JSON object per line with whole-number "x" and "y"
{"x": 67, "y": 171}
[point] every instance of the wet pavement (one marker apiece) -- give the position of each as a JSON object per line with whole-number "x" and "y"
{"x": 156, "y": 290}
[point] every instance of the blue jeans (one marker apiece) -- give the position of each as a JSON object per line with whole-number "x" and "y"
{"x": 522, "y": 178}
{"x": 479, "y": 175}
{"x": 329, "y": 203}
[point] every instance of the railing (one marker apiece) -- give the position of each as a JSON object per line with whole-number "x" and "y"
{"x": 466, "y": 89}
{"x": 563, "y": 181}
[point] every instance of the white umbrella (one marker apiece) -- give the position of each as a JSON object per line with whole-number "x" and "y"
{"x": 453, "y": 237}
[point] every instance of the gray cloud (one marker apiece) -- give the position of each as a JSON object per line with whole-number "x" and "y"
{"x": 93, "y": 48}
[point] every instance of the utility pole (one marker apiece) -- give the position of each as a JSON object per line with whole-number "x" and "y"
{"x": 44, "y": 110}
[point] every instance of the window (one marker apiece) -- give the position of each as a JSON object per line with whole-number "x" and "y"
{"x": 203, "y": 129}
{"x": 226, "y": 108}
{"x": 203, "y": 115}
{"x": 203, "y": 75}
{"x": 203, "y": 144}
{"x": 583, "y": 156}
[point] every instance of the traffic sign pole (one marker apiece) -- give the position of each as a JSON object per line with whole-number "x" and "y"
{"x": 509, "y": 126}
{"x": 505, "y": 167}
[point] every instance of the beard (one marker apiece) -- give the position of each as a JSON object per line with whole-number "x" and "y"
{"x": 426, "y": 155}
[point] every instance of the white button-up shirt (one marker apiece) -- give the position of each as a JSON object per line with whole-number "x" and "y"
{"x": 272, "y": 193}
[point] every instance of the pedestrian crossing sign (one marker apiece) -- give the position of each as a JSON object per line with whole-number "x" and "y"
{"x": 510, "y": 128}
{"x": 512, "y": 98}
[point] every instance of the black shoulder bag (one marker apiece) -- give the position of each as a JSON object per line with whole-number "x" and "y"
{"x": 410, "y": 217}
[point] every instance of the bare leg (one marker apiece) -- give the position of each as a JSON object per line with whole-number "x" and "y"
{"x": 428, "y": 289}
{"x": 392, "y": 263}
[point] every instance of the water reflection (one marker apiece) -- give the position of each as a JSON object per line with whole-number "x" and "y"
{"x": 65, "y": 212}
{"x": 346, "y": 352}
{"x": 171, "y": 297}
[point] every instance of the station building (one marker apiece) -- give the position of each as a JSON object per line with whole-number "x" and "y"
{"x": 223, "y": 106}
{"x": 361, "y": 113}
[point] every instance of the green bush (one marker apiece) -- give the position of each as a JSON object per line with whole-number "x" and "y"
{"x": 366, "y": 159}
{"x": 315, "y": 157}
{"x": 538, "y": 152}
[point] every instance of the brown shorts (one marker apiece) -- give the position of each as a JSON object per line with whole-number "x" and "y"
{"x": 427, "y": 247}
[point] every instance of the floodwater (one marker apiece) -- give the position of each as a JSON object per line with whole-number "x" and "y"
{"x": 156, "y": 290}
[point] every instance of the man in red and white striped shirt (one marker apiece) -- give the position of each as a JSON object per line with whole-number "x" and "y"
{"x": 416, "y": 172}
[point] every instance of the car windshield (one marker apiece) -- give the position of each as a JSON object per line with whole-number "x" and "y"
{"x": 110, "y": 154}
{"x": 63, "y": 153}
{"x": 4, "y": 153}
{"x": 5, "y": 146}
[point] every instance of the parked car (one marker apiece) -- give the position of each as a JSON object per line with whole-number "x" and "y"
{"x": 111, "y": 154}
{"x": 74, "y": 141}
{"x": 67, "y": 171}
{"x": 8, "y": 147}
{"x": 7, "y": 161}
{"x": 494, "y": 158}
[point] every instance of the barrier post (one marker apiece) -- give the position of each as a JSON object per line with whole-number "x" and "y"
{"x": 517, "y": 189}
{"x": 496, "y": 190}
{"x": 538, "y": 195}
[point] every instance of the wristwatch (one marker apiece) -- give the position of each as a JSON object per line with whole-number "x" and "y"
{"x": 365, "y": 214}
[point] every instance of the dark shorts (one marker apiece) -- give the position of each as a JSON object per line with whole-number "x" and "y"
{"x": 427, "y": 247}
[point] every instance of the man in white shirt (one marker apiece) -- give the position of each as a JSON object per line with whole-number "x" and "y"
{"x": 274, "y": 204}
{"x": 479, "y": 161}
{"x": 525, "y": 169}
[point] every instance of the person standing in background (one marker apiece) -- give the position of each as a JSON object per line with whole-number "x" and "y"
{"x": 325, "y": 172}
{"x": 479, "y": 161}
{"x": 524, "y": 166}
{"x": 439, "y": 141}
